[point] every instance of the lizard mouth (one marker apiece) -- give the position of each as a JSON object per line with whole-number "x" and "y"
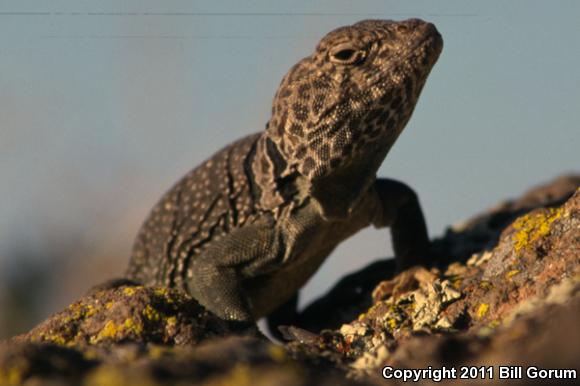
{"x": 419, "y": 58}
{"x": 428, "y": 47}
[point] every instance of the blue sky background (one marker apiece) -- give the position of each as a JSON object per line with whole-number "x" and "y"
{"x": 104, "y": 105}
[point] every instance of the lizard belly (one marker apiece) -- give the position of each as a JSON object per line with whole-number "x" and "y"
{"x": 268, "y": 292}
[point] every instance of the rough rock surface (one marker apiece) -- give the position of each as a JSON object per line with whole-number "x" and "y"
{"x": 130, "y": 314}
{"x": 504, "y": 290}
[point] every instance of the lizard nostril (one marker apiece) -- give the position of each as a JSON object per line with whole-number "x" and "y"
{"x": 402, "y": 28}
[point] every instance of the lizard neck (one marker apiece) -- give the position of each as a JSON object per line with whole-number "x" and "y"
{"x": 336, "y": 183}
{"x": 278, "y": 185}
{"x": 281, "y": 187}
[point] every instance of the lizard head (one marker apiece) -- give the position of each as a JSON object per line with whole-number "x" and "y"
{"x": 342, "y": 107}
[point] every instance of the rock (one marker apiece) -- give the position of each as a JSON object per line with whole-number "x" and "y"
{"x": 503, "y": 290}
{"x": 130, "y": 314}
{"x": 514, "y": 300}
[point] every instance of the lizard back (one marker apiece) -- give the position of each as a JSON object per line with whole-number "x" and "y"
{"x": 200, "y": 208}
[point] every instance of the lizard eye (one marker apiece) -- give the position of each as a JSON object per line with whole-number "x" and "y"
{"x": 347, "y": 54}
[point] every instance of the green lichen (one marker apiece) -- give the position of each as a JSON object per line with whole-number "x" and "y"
{"x": 532, "y": 227}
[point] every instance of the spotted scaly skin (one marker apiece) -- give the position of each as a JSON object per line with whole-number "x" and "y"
{"x": 247, "y": 228}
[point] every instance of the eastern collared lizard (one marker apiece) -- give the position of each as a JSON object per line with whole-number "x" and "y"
{"x": 247, "y": 228}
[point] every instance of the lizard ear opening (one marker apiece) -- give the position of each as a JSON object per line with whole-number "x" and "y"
{"x": 347, "y": 54}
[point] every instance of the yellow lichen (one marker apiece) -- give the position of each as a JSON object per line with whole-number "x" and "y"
{"x": 277, "y": 353}
{"x": 131, "y": 326}
{"x": 392, "y": 323}
{"x": 54, "y": 338}
{"x": 111, "y": 330}
{"x": 456, "y": 282}
{"x": 482, "y": 310}
{"x": 373, "y": 307}
{"x": 165, "y": 294}
{"x": 129, "y": 291}
{"x": 89, "y": 354}
{"x": 14, "y": 371}
{"x": 532, "y": 227}
{"x": 512, "y": 273}
{"x": 80, "y": 311}
{"x": 118, "y": 376}
{"x": 171, "y": 321}
{"x": 90, "y": 310}
{"x": 161, "y": 291}
{"x": 11, "y": 376}
{"x": 240, "y": 375}
{"x": 151, "y": 314}
{"x": 156, "y": 352}
{"x": 486, "y": 285}
{"x": 77, "y": 311}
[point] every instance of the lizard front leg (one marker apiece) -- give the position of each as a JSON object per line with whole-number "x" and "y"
{"x": 402, "y": 213}
{"x": 218, "y": 272}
